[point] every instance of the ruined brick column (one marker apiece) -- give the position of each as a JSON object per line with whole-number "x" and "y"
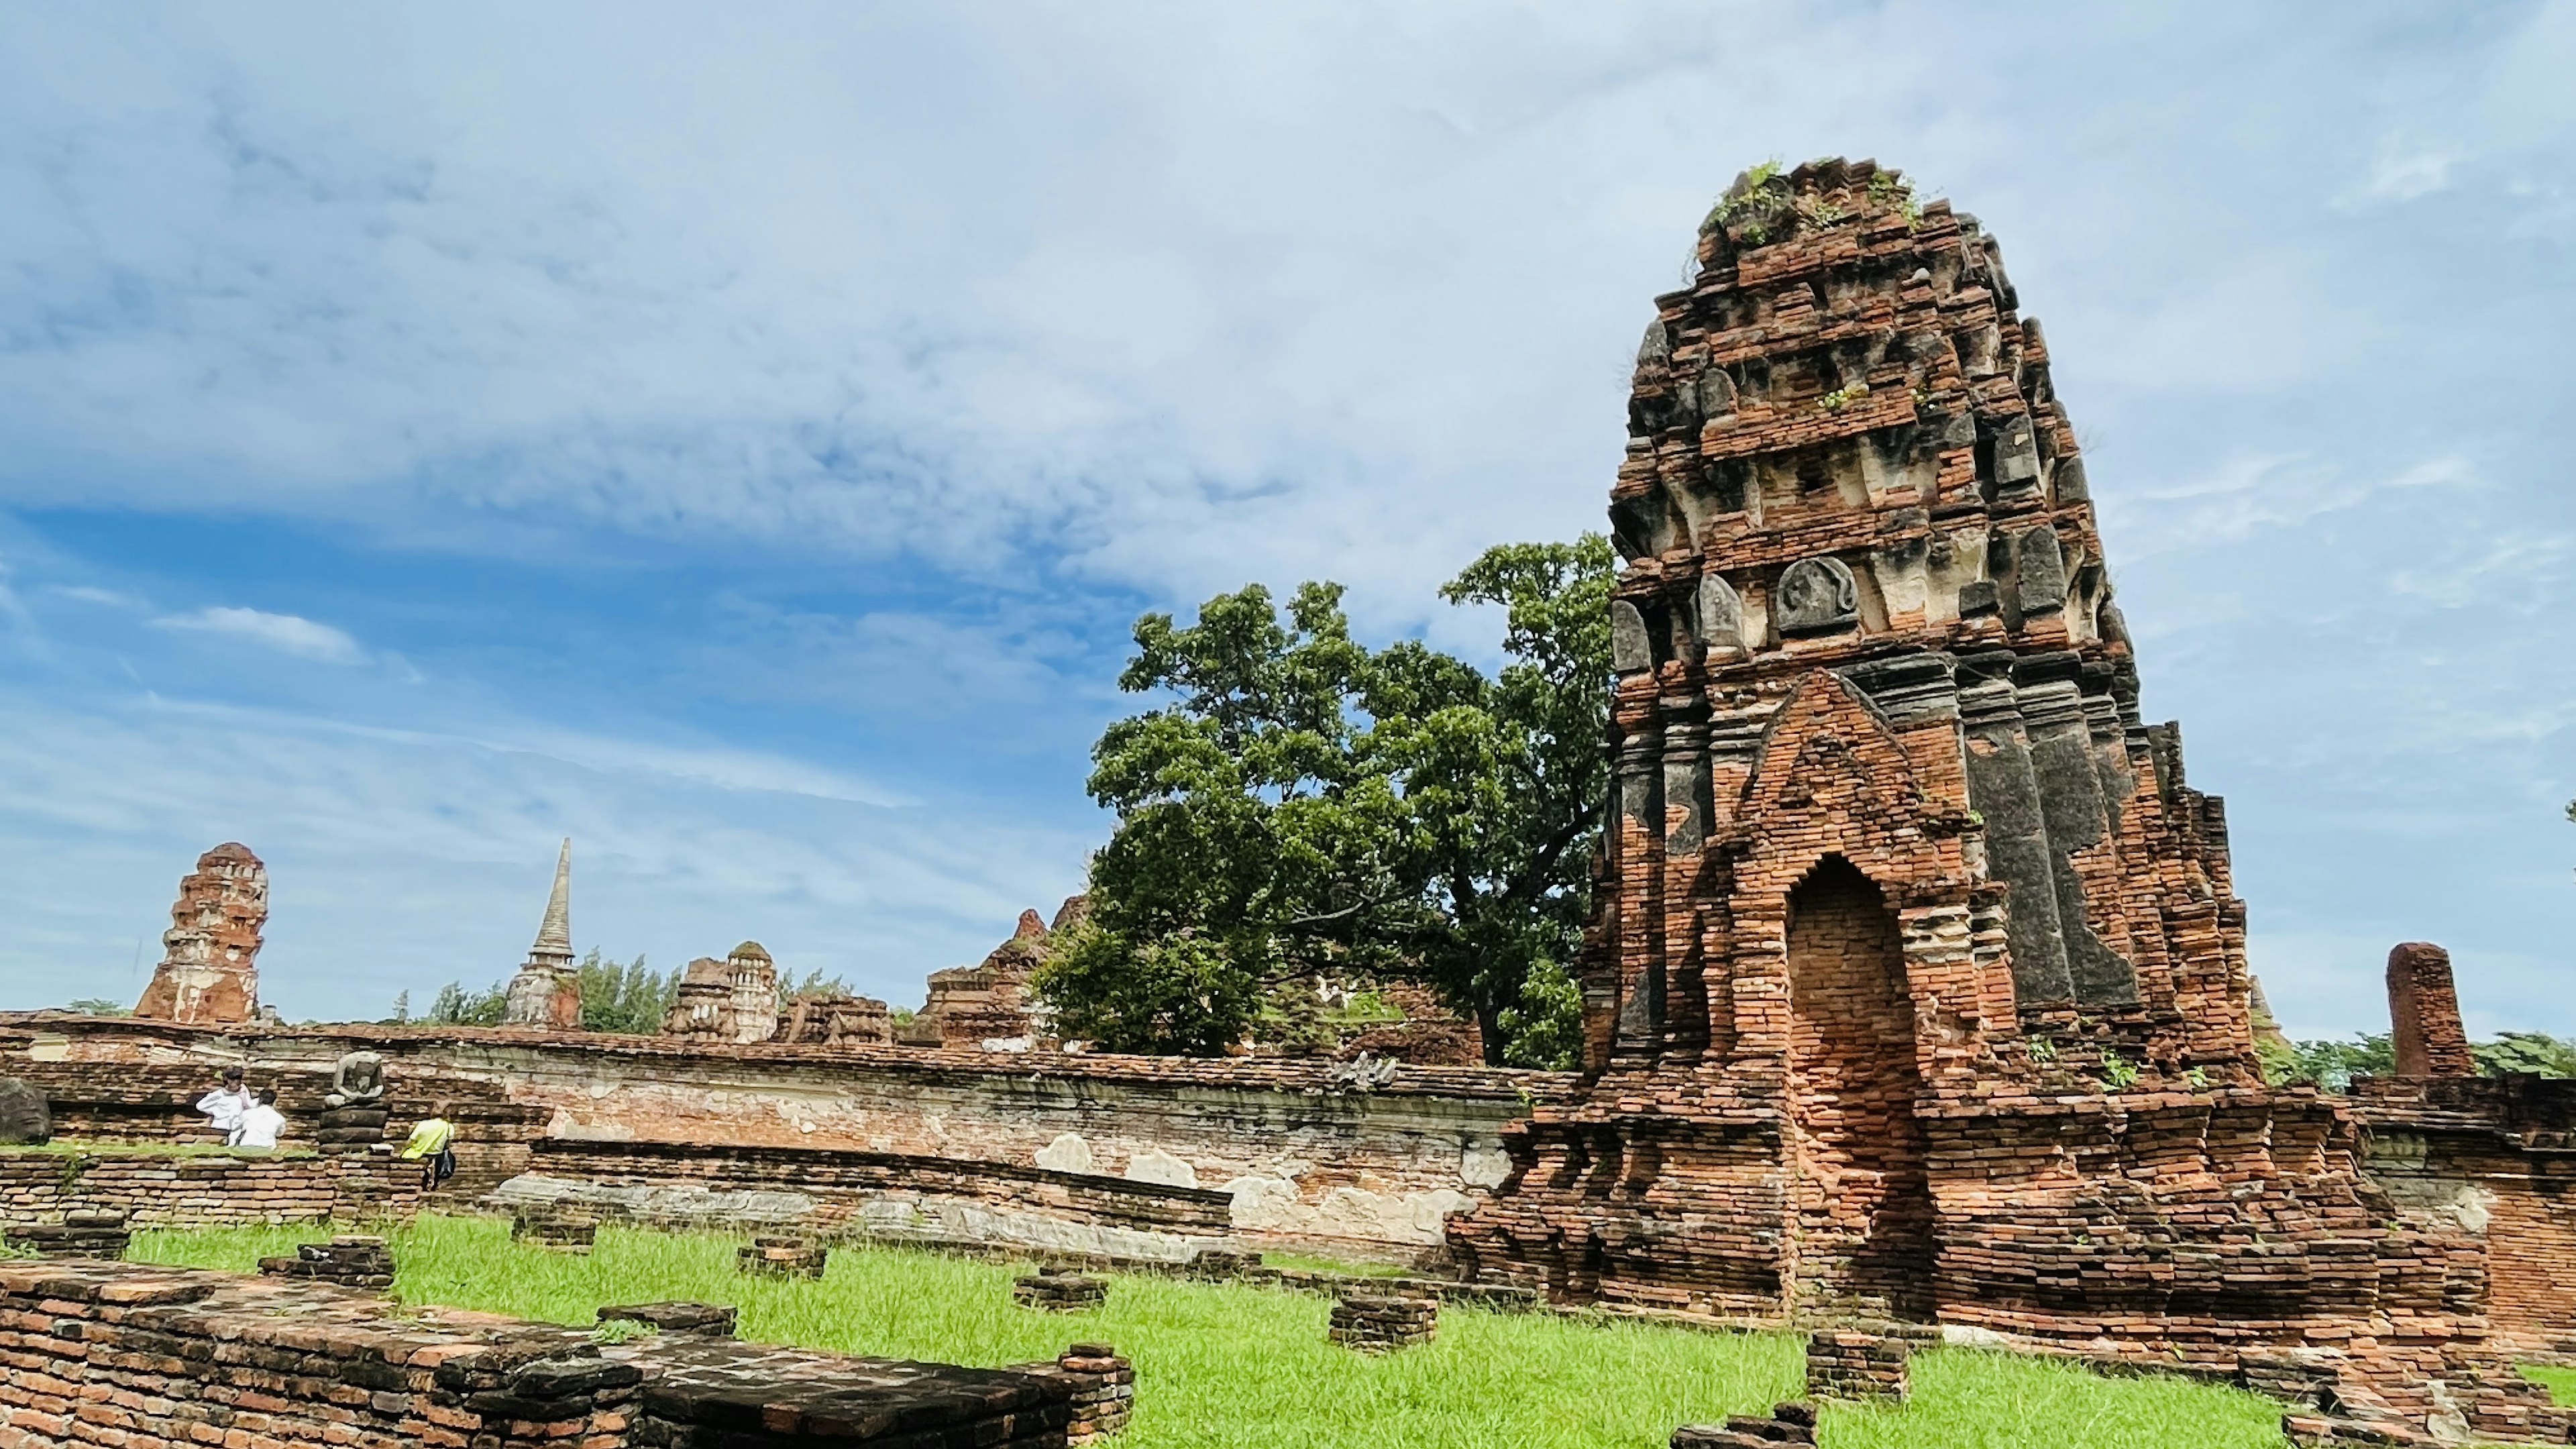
{"x": 209, "y": 971}
{"x": 2424, "y": 1013}
{"x": 546, "y": 992}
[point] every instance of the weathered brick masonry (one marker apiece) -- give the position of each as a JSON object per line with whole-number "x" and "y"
{"x": 148, "y": 1101}
{"x": 839, "y": 1180}
{"x": 1302, "y": 1158}
{"x": 141, "y": 1358}
{"x": 1918, "y": 986}
{"x": 162, "y": 1190}
{"x": 209, "y": 969}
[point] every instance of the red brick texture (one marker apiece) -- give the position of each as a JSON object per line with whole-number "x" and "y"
{"x": 2424, "y": 1013}
{"x": 209, "y": 969}
{"x": 162, "y": 1190}
{"x": 156, "y": 1358}
{"x": 1861, "y": 1229}
{"x": 1335, "y": 1168}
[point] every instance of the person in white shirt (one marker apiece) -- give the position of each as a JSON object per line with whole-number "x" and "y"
{"x": 226, "y": 1104}
{"x": 261, "y": 1124}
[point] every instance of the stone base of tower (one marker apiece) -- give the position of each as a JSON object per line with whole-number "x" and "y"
{"x": 543, "y": 995}
{"x": 2189, "y": 1225}
{"x": 2229, "y": 1233}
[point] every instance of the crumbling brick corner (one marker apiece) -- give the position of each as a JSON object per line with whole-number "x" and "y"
{"x": 2424, "y": 1013}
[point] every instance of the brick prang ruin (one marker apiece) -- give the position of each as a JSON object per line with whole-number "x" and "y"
{"x": 1917, "y": 985}
{"x": 209, "y": 971}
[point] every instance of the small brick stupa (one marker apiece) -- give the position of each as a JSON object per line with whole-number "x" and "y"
{"x": 546, "y": 992}
{"x": 1917, "y": 986}
{"x": 209, "y": 971}
{"x": 732, "y": 1000}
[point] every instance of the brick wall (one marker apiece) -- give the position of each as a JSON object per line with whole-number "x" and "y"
{"x": 145, "y": 1101}
{"x": 155, "y": 1358}
{"x": 1307, "y": 1162}
{"x": 165, "y": 1190}
{"x": 1862, "y": 1225}
{"x": 2496, "y": 1158}
{"x": 843, "y": 1177}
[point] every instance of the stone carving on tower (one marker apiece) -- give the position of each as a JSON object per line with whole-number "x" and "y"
{"x": 1903, "y": 908}
{"x": 209, "y": 971}
{"x": 546, "y": 991}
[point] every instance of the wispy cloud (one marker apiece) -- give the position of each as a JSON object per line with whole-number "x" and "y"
{"x": 2251, "y": 494}
{"x": 1274, "y": 292}
{"x": 284, "y": 633}
{"x": 90, "y": 594}
{"x": 2402, "y": 173}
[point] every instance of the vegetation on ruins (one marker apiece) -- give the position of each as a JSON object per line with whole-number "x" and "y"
{"x": 627, "y": 997}
{"x": 2332, "y": 1064}
{"x": 1249, "y": 1367}
{"x": 1305, "y": 806}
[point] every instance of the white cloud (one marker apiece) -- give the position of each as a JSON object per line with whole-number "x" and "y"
{"x": 2400, "y": 174}
{"x": 400, "y": 860}
{"x": 283, "y": 633}
{"x": 88, "y": 594}
{"x": 2251, "y": 493}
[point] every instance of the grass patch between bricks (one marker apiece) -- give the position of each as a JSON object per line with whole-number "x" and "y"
{"x": 1248, "y": 1368}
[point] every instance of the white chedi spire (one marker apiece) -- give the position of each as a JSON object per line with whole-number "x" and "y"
{"x": 554, "y": 936}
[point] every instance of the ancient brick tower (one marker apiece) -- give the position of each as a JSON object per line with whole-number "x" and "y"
{"x": 546, "y": 990}
{"x": 1917, "y": 984}
{"x": 209, "y": 971}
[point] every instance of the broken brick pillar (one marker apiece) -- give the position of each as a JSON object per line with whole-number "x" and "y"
{"x": 2424, "y": 1013}
{"x": 1852, "y": 1364}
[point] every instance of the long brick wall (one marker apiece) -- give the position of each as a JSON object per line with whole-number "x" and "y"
{"x": 142, "y": 1358}
{"x": 153, "y": 1101}
{"x": 842, "y": 1177}
{"x": 1304, "y": 1159}
{"x": 159, "y": 1189}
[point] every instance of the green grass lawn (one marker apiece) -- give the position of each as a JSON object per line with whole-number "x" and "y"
{"x": 2561, "y": 1382}
{"x": 1249, "y": 1368}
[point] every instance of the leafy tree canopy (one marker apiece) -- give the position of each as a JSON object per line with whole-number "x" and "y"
{"x": 628, "y": 997}
{"x": 1305, "y": 806}
{"x": 2333, "y": 1064}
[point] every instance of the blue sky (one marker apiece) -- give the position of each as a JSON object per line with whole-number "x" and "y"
{"x": 740, "y": 439}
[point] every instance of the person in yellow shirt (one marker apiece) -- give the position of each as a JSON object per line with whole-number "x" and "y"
{"x": 434, "y": 1138}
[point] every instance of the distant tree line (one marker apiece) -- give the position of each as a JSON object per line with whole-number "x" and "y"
{"x": 623, "y": 997}
{"x": 2332, "y": 1065}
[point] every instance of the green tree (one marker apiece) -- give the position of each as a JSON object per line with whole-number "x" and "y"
{"x": 2332, "y": 1065}
{"x": 628, "y": 998}
{"x": 2525, "y": 1051}
{"x": 98, "y": 1006}
{"x": 1304, "y": 806}
{"x": 456, "y": 1006}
